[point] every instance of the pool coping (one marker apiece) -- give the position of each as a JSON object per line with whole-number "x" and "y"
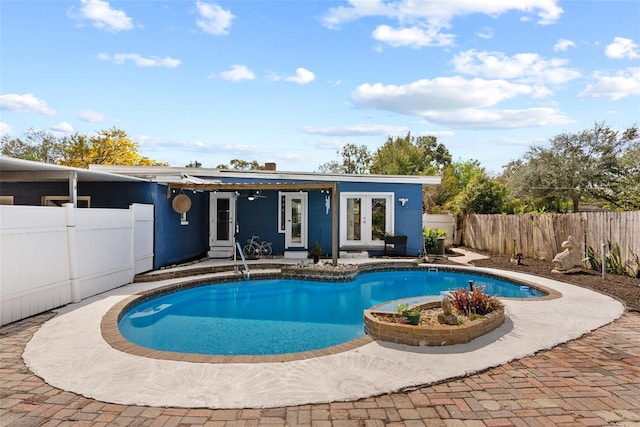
{"x": 68, "y": 352}
{"x": 111, "y": 332}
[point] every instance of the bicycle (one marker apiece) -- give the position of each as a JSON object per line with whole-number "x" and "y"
{"x": 255, "y": 248}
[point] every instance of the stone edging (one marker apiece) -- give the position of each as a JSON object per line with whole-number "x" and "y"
{"x": 430, "y": 335}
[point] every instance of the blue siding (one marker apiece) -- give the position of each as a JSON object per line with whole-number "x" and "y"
{"x": 103, "y": 194}
{"x": 175, "y": 243}
{"x": 407, "y": 219}
{"x": 259, "y": 217}
{"x": 319, "y": 222}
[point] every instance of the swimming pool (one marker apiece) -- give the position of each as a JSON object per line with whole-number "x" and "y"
{"x": 277, "y": 316}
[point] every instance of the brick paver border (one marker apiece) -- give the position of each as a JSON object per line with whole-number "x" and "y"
{"x": 591, "y": 381}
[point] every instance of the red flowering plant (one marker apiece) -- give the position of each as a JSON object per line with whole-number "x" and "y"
{"x": 475, "y": 301}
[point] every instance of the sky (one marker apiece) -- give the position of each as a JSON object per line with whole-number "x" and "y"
{"x": 293, "y": 81}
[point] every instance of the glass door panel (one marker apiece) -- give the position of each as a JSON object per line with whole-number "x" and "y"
{"x": 365, "y": 218}
{"x": 354, "y": 219}
{"x": 295, "y": 210}
{"x": 296, "y": 220}
{"x": 223, "y": 220}
{"x": 378, "y": 218}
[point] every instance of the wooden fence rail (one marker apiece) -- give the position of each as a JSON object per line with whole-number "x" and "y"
{"x": 541, "y": 236}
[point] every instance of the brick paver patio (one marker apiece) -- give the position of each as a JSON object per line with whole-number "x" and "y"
{"x": 592, "y": 381}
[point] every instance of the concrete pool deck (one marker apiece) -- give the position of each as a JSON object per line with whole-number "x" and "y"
{"x": 69, "y": 352}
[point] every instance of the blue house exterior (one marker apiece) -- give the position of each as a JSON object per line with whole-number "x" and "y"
{"x": 292, "y": 211}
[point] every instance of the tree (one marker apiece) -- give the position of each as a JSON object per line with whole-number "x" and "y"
{"x": 77, "y": 148}
{"x": 454, "y": 178}
{"x": 410, "y": 156}
{"x": 194, "y": 164}
{"x": 575, "y": 165}
{"x": 623, "y": 186}
{"x": 355, "y": 160}
{"x": 482, "y": 195}
{"x": 238, "y": 164}
{"x": 38, "y": 145}
{"x": 108, "y": 147}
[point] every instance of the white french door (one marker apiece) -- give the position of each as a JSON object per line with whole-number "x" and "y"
{"x": 365, "y": 218}
{"x": 293, "y": 219}
{"x": 222, "y": 219}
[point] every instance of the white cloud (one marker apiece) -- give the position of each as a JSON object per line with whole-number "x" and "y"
{"x": 412, "y": 36}
{"x": 459, "y": 102}
{"x": 439, "y": 94}
{"x": 354, "y": 130}
{"x": 91, "y": 116}
{"x": 241, "y": 149}
{"x": 61, "y": 129}
{"x": 5, "y": 129}
{"x": 303, "y": 76}
{"x": 237, "y": 73}
{"x": 324, "y": 144}
{"x": 522, "y": 66}
{"x": 485, "y": 33}
{"x": 437, "y": 133}
{"x": 213, "y": 19}
{"x": 563, "y": 44}
{"x": 140, "y": 61}
{"x": 624, "y": 83}
{"x": 153, "y": 144}
{"x": 26, "y": 103}
{"x": 622, "y": 48}
{"x": 436, "y": 14}
{"x": 102, "y": 16}
{"x": 498, "y": 119}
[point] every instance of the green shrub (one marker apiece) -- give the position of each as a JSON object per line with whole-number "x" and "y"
{"x": 431, "y": 239}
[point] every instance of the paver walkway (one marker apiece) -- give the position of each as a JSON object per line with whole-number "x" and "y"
{"x": 593, "y": 381}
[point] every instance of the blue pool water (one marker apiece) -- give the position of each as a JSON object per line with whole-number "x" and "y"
{"x": 281, "y": 315}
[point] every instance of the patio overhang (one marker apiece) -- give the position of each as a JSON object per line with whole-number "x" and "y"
{"x": 280, "y": 186}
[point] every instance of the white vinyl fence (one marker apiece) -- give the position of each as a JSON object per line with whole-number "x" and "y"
{"x": 53, "y": 256}
{"x": 444, "y": 222}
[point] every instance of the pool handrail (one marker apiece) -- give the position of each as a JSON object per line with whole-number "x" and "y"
{"x": 244, "y": 261}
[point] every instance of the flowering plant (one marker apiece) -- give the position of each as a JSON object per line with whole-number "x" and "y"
{"x": 475, "y": 301}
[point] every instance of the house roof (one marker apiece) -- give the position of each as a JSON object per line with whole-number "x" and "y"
{"x": 167, "y": 174}
{"x": 18, "y": 170}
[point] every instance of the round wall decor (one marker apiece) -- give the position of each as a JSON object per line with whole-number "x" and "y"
{"x": 181, "y": 203}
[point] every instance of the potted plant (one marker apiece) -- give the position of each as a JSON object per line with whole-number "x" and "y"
{"x": 315, "y": 252}
{"x": 434, "y": 240}
{"x": 411, "y": 314}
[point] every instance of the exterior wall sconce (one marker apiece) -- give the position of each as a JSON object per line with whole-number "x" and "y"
{"x": 403, "y": 200}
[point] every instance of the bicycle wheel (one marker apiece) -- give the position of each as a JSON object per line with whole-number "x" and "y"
{"x": 266, "y": 249}
{"x": 249, "y": 250}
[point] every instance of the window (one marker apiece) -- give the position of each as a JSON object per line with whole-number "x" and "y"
{"x": 365, "y": 218}
{"x": 83, "y": 201}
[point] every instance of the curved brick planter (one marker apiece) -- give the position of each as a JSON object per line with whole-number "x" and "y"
{"x": 431, "y": 335}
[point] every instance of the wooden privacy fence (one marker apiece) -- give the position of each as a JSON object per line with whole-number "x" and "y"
{"x": 541, "y": 236}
